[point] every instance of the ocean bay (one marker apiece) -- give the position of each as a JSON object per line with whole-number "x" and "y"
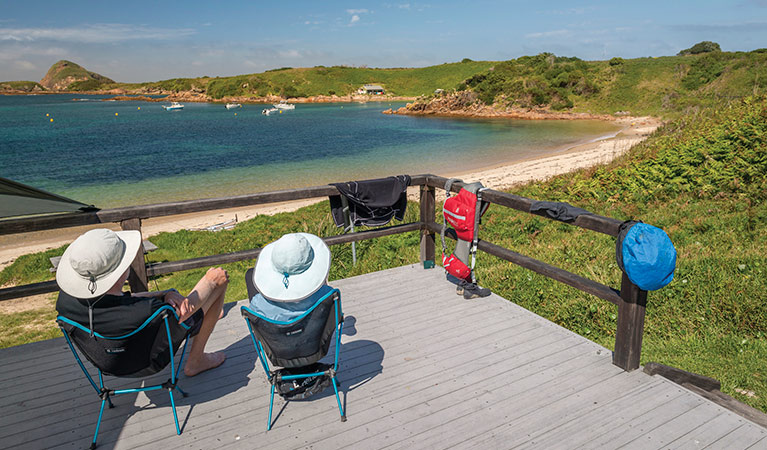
{"x": 112, "y": 153}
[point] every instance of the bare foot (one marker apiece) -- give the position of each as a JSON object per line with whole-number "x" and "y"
{"x": 206, "y": 362}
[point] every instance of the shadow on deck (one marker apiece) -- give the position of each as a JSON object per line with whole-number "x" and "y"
{"x": 420, "y": 368}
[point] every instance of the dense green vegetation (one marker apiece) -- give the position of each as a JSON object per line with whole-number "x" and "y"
{"x": 24, "y": 86}
{"x": 701, "y": 47}
{"x": 665, "y": 86}
{"x": 702, "y": 177}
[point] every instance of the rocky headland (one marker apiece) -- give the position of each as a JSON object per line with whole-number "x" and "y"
{"x": 467, "y": 104}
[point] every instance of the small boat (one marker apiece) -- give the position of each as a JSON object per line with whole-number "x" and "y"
{"x": 233, "y": 105}
{"x": 173, "y": 106}
{"x": 270, "y": 111}
{"x": 284, "y": 105}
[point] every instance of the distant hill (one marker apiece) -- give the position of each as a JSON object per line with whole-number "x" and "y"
{"x": 319, "y": 81}
{"x": 68, "y": 76}
{"x": 20, "y": 86}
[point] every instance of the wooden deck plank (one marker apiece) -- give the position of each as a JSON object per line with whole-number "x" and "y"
{"x": 408, "y": 366}
{"x": 608, "y": 415}
{"x": 420, "y": 367}
{"x": 708, "y": 433}
{"x": 352, "y": 358}
{"x": 384, "y": 399}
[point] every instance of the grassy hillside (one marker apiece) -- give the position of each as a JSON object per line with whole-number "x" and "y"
{"x": 320, "y": 80}
{"x": 66, "y": 75}
{"x": 665, "y": 86}
{"x": 22, "y": 86}
{"x": 702, "y": 178}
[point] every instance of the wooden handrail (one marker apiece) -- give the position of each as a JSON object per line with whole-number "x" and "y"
{"x": 553, "y": 272}
{"x": 630, "y": 299}
{"x": 50, "y": 222}
{"x": 594, "y": 222}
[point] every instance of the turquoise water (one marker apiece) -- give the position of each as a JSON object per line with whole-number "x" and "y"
{"x": 112, "y": 153}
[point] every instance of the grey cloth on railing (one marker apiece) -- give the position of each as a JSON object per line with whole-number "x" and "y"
{"x": 561, "y": 211}
{"x": 371, "y": 202}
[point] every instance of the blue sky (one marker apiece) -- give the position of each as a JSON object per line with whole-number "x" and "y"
{"x": 153, "y": 40}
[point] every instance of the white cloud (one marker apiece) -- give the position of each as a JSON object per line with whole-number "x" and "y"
{"x": 289, "y": 54}
{"x": 355, "y": 18}
{"x": 545, "y": 34}
{"x": 357, "y": 11}
{"x": 94, "y": 34}
{"x": 24, "y": 65}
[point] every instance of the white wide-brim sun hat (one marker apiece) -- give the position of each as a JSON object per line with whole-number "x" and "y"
{"x": 95, "y": 261}
{"x": 292, "y": 268}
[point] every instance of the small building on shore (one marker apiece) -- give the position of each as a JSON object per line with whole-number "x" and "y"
{"x": 371, "y": 89}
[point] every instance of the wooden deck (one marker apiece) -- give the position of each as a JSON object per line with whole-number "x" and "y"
{"x": 420, "y": 368}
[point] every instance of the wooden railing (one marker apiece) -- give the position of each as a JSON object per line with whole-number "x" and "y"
{"x": 630, "y": 300}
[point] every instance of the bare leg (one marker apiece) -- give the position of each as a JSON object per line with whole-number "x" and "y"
{"x": 209, "y": 296}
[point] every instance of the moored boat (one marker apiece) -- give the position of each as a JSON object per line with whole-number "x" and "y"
{"x": 173, "y": 106}
{"x": 284, "y": 105}
{"x": 233, "y": 105}
{"x": 269, "y": 111}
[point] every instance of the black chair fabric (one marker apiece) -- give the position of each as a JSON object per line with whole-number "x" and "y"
{"x": 301, "y": 343}
{"x": 141, "y": 354}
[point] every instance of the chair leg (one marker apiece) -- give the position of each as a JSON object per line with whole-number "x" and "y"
{"x": 338, "y": 399}
{"x": 175, "y": 416}
{"x": 271, "y": 403}
{"x": 98, "y": 424}
{"x": 183, "y": 394}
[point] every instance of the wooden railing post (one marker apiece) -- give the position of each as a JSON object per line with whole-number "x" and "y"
{"x": 138, "y": 280}
{"x": 628, "y": 336}
{"x": 428, "y": 214}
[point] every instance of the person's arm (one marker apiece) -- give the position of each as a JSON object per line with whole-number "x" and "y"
{"x": 158, "y": 294}
{"x": 184, "y": 308}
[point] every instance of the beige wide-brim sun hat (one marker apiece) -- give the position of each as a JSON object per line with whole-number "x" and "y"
{"x": 95, "y": 261}
{"x": 292, "y": 268}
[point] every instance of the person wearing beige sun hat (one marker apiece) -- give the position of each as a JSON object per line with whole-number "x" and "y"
{"x": 91, "y": 276}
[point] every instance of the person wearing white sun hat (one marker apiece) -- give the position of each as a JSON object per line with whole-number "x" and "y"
{"x": 91, "y": 276}
{"x": 291, "y": 274}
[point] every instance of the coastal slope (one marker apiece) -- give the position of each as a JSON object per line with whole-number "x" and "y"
{"x": 68, "y": 76}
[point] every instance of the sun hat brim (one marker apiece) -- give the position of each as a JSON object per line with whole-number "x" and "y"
{"x": 76, "y": 285}
{"x": 270, "y": 284}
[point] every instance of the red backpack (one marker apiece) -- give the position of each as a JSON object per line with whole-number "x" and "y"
{"x": 460, "y": 212}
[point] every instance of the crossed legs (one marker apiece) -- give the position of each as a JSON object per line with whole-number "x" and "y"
{"x": 208, "y": 294}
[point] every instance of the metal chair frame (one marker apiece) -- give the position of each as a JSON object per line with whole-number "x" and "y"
{"x": 272, "y": 375}
{"x": 105, "y": 393}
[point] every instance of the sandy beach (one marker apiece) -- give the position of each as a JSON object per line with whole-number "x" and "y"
{"x": 501, "y": 176}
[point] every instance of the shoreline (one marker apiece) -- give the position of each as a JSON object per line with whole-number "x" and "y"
{"x": 499, "y": 176}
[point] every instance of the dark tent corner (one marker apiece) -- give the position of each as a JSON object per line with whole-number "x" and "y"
{"x": 18, "y": 199}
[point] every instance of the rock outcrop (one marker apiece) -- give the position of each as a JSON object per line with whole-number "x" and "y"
{"x": 467, "y": 104}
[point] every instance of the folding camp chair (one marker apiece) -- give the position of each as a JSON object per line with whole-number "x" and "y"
{"x": 138, "y": 354}
{"x": 297, "y": 346}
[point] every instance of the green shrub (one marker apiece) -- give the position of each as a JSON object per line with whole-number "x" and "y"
{"x": 617, "y": 61}
{"x": 701, "y": 47}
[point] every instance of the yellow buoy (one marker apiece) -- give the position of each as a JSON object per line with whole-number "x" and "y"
{"x": 51, "y": 119}
{"x": 139, "y": 108}
{"x": 47, "y": 115}
{"x": 115, "y": 114}
{"x": 235, "y": 114}
{"x": 280, "y": 111}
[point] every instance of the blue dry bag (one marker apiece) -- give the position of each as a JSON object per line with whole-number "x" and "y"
{"x": 646, "y": 254}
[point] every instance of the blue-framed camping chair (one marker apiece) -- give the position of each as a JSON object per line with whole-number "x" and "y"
{"x": 296, "y": 346}
{"x": 138, "y": 354}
